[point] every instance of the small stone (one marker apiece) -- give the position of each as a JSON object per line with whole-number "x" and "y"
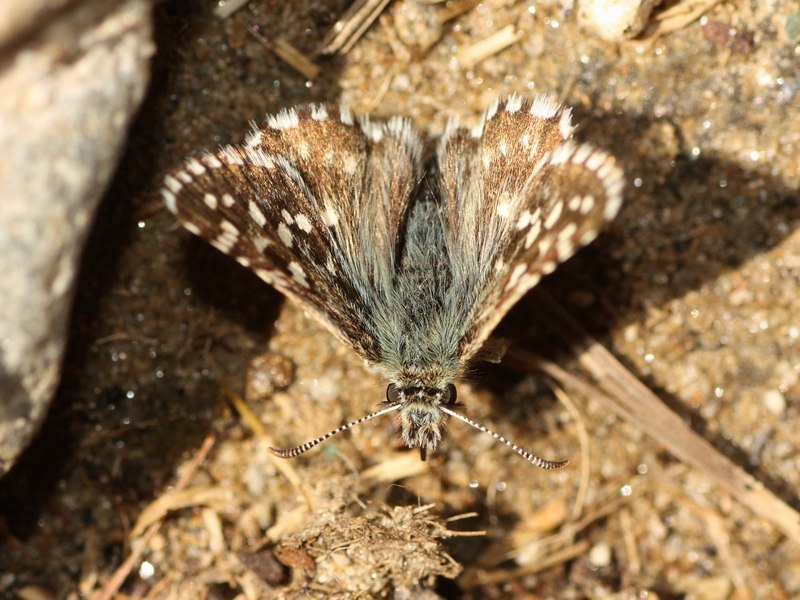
{"x": 600, "y": 555}
{"x": 267, "y": 374}
{"x": 775, "y": 402}
{"x": 615, "y": 20}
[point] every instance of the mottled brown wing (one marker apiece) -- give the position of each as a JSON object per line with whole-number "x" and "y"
{"x": 299, "y": 203}
{"x": 520, "y": 198}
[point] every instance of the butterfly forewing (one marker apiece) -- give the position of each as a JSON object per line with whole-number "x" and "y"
{"x": 521, "y": 198}
{"x": 300, "y": 201}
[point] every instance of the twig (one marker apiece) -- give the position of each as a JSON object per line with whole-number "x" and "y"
{"x": 471, "y": 55}
{"x": 121, "y": 574}
{"x": 586, "y": 451}
{"x": 472, "y": 579}
{"x": 254, "y": 423}
{"x": 634, "y": 566}
{"x": 351, "y": 26}
{"x": 456, "y": 9}
{"x": 677, "y": 17}
{"x": 288, "y": 54}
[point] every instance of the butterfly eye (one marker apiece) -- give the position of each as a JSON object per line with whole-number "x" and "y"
{"x": 449, "y": 396}
{"x": 392, "y": 396}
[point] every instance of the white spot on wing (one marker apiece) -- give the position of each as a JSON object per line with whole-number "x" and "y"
{"x": 605, "y": 169}
{"x": 582, "y": 153}
{"x": 170, "y": 200}
{"x": 372, "y": 130}
{"x": 555, "y": 213}
{"x": 212, "y": 161}
{"x": 285, "y": 235}
{"x": 515, "y": 275}
{"x": 254, "y": 138}
{"x": 345, "y": 115}
{"x": 227, "y": 237}
{"x": 588, "y": 237}
{"x": 265, "y": 275}
{"x": 319, "y": 112}
{"x": 173, "y": 184}
{"x": 227, "y": 200}
{"x": 563, "y": 153}
{"x": 449, "y": 129}
{"x": 330, "y": 217}
{"x": 210, "y": 201}
{"x": 544, "y": 245}
{"x": 286, "y": 119}
{"x": 196, "y": 167}
{"x": 260, "y": 242}
{"x": 514, "y": 104}
{"x": 530, "y": 280}
{"x": 565, "y": 127}
{"x": 491, "y": 111}
{"x": 229, "y": 227}
{"x": 232, "y": 155}
{"x": 533, "y": 233}
{"x": 612, "y": 207}
{"x": 191, "y": 227}
{"x": 302, "y": 222}
{"x": 298, "y": 274}
{"x": 596, "y": 160}
{"x": 565, "y": 245}
{"x": 257, "y": 157}
{"x": 256, "y": 213}
{"x": 544, "y": 108}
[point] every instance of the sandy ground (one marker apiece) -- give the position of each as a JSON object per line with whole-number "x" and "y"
{"x": 183, "y": 367}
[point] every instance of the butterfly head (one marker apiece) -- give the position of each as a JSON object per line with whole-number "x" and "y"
{"x": 422, "y": 419}
{"x": 423, "y": 412}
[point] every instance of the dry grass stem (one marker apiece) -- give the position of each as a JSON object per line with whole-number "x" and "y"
{"x": 406, "y": 465}
{"x": 113, "y": 585}
{"x": 470, "y": 56}
{"x": 254, "y": 423}
{"x": 351, "y": 26}
{"x": 288, "y": 54}
{"x": 586, "y": 451}
{"x": 678, "y": 16}
{"x": 633, "y": 401}
{"x": 454, "y": 10}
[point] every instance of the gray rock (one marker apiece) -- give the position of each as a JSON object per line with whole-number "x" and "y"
{"x": 73, "y": 76}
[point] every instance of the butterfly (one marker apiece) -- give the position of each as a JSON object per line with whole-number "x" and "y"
{"x": 411, "y": 262}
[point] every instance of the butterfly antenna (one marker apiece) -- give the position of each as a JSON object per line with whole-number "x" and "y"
{"x": 549, "y": 465}
{"x": 298, "y": 450}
